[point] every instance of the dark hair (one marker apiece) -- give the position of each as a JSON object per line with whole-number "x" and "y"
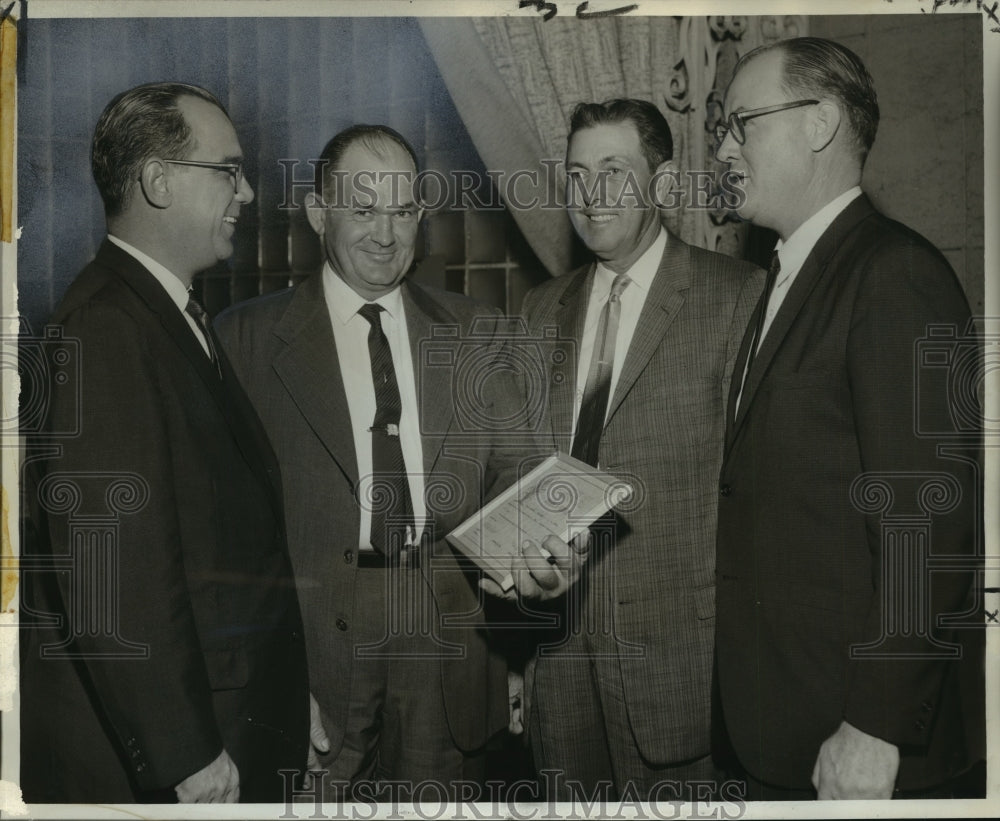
{"x": 655, "y": 139}
{"x": 136, "y": 125}
{"x": 819, "y": 68}
{"x": 372, "y": 137}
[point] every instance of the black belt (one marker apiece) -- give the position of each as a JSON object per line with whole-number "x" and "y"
{"x": 408, "y": 558}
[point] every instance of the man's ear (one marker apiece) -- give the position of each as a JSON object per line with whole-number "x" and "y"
{"x": 315, "y": 211}
{"x": 823, "y": 125}
{"x": 155, "y": 184}
{"x": 665, "y": 179}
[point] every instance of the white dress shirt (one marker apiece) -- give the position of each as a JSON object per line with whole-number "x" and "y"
{"x": 641, "y": 274}
{"x": 791, "y": 255}
{"x": 350, "y": 333}
{"x": 800, "y": 244}
{"x": 176, "y": 290}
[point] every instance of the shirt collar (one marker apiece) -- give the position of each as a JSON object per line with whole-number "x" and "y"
{"x": 176, "y": 290}
{"x": 794, "y": 252}
{"x": 345, "y": 302}
{"x": 643, "y": 270}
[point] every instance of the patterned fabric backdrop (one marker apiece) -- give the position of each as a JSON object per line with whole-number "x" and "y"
{"x": 682, "y": 64}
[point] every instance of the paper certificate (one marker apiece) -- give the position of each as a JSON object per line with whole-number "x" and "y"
{"x": 561, "y": 497}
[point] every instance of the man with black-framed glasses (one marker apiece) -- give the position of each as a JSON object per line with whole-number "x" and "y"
{"x": 168, "y": 664}
{"x": 846, "y": 666}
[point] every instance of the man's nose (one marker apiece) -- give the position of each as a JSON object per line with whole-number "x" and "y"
{"x": 382, "y": 230}
{"x": 728, "y": 148}
{"x": 586, "y": 190}
{"x": 244, "y": 191}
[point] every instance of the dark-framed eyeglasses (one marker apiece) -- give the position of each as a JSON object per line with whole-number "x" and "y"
{"x": 736, "y": 122}
{"x": 234, "y": 169}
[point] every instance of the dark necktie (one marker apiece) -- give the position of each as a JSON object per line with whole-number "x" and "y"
{"x": 392, "y": 509}
{"x": 772, "y": 276}
{"x": 594, "y": 407}
{"x": 201, "y": 318}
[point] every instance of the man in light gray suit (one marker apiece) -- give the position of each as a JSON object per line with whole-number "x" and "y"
{"x": 356, "y": 376}
{"x": 621, "y": 699}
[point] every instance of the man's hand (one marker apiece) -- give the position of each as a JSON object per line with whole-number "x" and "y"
{"x": 538, "y": 577}
{"x": 318, "y": 743}
{"x": 217, "y": 783}
{"x": 853, "y": 764}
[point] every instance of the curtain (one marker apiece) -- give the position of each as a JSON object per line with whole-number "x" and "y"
{"x": 515, "y": 81}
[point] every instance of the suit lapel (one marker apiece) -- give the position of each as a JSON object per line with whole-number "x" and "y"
{"x": 664, "y": 300}
{"x": 308, "y": 368}
{"x": 809, "y": 275}
{"x": 158, "y": 301}
{"x": 569, "y": 318}
{"x": 226, "y": 393}
{"x": 435, "y": 394}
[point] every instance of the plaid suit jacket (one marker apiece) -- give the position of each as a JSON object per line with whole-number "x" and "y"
{"x": 664, "y": 432}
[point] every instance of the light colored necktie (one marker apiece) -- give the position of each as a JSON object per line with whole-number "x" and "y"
{"x": 593, "y": 409}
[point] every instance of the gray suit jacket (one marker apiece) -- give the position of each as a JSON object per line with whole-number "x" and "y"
{"x": 664, "y": 432}
{"x": 282, "y": 347}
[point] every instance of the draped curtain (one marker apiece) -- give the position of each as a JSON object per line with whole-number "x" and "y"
{"x": 515, "y": 81}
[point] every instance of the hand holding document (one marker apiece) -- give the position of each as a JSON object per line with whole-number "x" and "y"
{"x": 533, "y": 538}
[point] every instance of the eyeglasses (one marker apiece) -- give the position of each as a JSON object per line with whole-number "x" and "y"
{"x": 737, "y": 120}
{"x": 235, "y": 170}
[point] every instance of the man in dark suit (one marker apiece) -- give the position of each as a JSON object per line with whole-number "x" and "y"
{"x": 849, "y": 666}
{"x": 357, "y": 376}
{"x": 622, "y": 699}
{"x": 168, "y": 663}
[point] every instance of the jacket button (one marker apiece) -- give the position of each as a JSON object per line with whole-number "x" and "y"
{"x": 920, "y": 725}
{"x": 926, "y": 706}
{"x": 348, "y": 556}
{"x": 341, "y": 624}
{"x": 725, "y": 490}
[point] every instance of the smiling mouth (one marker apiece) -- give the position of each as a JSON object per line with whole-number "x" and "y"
{"x": 229, "y": 220}
{"x": 601, "y": 218}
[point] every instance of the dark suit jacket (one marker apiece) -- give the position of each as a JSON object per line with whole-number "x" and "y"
{"x": 664, "y": 431}
{"x": 204, "y": 649}
{"x": 283, "y": 349}
{"x": 807, "y": 558}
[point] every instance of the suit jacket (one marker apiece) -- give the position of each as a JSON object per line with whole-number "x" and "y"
{"x": 177, "y": 630}
{"x": 664, "y": 431}
{"x": 283, "y": 348}
{"x": 831, "y": 482}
